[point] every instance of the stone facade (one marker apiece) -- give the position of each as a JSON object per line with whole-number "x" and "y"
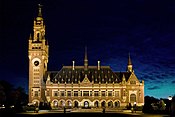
{"x": 78, "y": 86}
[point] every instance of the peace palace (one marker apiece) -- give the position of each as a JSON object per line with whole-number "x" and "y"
{"x": 78, "y": 86}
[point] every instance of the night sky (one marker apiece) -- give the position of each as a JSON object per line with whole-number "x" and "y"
{"x": 109, "y": 28}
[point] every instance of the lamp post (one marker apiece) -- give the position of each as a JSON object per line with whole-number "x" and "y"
{"x": 170, "y": 98}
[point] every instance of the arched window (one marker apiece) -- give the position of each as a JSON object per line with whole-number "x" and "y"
{"x": 132, "y": 98}
{"x": 103, "y": 104}
{"x": 86, "y": 104}
{"x": 76, "y": 104}
{"x": 117, "y": 104}
{"x": 55, "y": 104}
{"x": 69, "y": 103}
{"x": 110, "y": 104}
{"x": 62, "y": 103}
{"x": 96, "y": 104}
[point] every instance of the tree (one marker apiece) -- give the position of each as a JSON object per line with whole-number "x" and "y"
{"x": 2, "y": 95}
{"x": 12, "y": 96}
{"x": 161, "y": 105}
{"x": 6, "y": 89}
{"x": 149, "y": 101}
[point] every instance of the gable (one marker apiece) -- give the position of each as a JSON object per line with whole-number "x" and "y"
{"x": 133, "y": 80}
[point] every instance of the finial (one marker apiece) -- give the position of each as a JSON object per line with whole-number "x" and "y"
{"x": 30, "y": 37}
{"x": 85, "y": 59}
{"x": 73, "y": 66}
{"x": 129, "y": 60}
{"x": 39, "y": 10}
{"x": 98, "y": 65}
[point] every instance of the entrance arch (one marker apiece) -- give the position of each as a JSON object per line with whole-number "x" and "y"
{"x": 86, "y": 104}
{"x": 110, "y": 104}
{"x": 69, "y": 103}
{"x": 62, "y": 103}
{"x": 55, "y": 104}
{"x": 103, "y": 104}
{"x": 132, "y": 98}
{"x": 96, "y": 104}
{"x": 117, "y": 104}
{"x": 36, "y": 103}
{"x": 76, "y": 104}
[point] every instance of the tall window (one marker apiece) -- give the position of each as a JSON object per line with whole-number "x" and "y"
{"x": 132, "y": 98}
{"x": 75, "y": 93}
{"x": 109, "y": 93}
{"x": 37, "y": 36}
{"x": 116, "y": 93}
{"x": 103, "y": 93}
{"x": 62, "y": 93}
{"x": 90, "y": 93}
{"x": 55, "y": 93}
{"x": 85, "y": 93}
{"x": 68, "y": 93}
{"x": 47, "y": 93}
{"x": 36, "y": 94}
{"x": 96, "y": 93}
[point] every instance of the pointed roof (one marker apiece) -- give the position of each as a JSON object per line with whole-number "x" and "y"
{"x": 92, "y": 74}
{"x": 39, "y": 17}
{"x": 85, "y": 56}
{"x": 85, "y": 59}
{"x": 39, "y": 10}
{"x": 129, "y": 60}
{"x": 30, "y": 37}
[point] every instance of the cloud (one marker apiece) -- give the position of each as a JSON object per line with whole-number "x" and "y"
{"x": 153, "y": 88}
{"x": 173, "y": 82}
{"x": 148, "y": 77}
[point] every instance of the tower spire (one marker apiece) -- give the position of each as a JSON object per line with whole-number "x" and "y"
{"x": 129, "y": 68}
{"x": 39, "y": 10}
{"x": 85, "y": 59}
{"x": 129, "y": 60}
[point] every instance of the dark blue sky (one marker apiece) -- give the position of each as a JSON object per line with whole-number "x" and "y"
{"x": 110, "y": 28}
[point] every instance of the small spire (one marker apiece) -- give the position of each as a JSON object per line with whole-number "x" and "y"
{"x": 123, "y": 78}
{"x": 129, "y": 60}
{"x": 73, "y": 65}
{"x": 85, "y": 59}
{"x": 39, "y": 10}
{"x": 30, "y": 37}
{"x": 98, "y": 65}
{"x": 129, "y": 68}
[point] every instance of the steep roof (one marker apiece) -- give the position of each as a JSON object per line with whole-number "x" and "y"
{"x": 104, "y": 75}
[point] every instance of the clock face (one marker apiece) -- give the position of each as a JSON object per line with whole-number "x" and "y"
{"x": 36, "y": 63}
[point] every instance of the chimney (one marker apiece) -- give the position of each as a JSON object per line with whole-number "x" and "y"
{"x": 98, "y": 65}
{"x": 73, "y": 66}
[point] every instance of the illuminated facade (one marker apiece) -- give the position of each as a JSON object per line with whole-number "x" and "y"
{"x": 78, "y": 86}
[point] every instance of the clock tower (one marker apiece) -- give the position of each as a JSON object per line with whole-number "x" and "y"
{"x": 38, "y": 59}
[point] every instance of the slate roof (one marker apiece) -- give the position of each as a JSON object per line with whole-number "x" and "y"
{"x": 104, "y": 75}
